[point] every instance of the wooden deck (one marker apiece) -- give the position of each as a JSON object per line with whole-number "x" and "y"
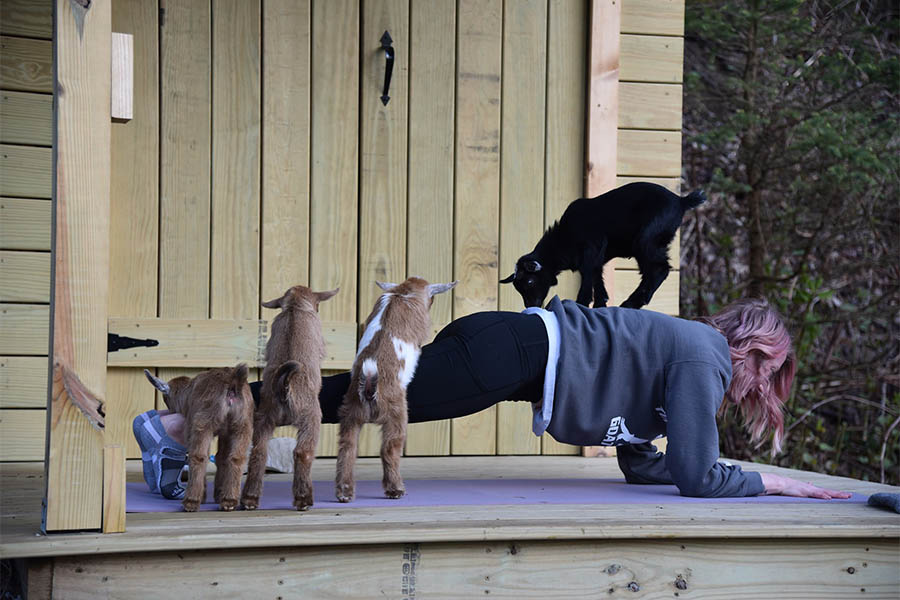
{"x": 694, "y": 550}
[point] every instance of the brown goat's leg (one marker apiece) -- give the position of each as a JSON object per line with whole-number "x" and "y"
{"x": 233, "y": 465}
{"x": 304, "y": 454}
{"x": 221, "y": 466}
{"x": 393, "y": 437}
{"x": 262, "y": 431}
{"x": 198, "y": 457}
{"x": 348, "y": 440}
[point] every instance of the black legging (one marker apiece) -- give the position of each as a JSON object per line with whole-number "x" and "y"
{"x": 473, "y": 363}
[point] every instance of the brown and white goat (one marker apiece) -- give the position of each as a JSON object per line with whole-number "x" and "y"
{"x": 290, "y": 391}
{"x": 214, "y": 403}
{"x": 385, "y": 362}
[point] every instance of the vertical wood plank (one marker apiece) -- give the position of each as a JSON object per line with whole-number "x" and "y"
{"x": 564, "y": 167}
{"x": 432, "y": 75}
{"x": 134, "y": 215}
{"x": 382, "y": 167}
{"x": 113, "y": 489}
{"x": 234, "y": 274}
{"x": 285, "y": 165}
{"x": 522, "y": 178}
{"x": 185, "y": 163}
{"x": 74, "y": 461}
{"x": 334, "y": 170}
{"x": 476, "y": 211}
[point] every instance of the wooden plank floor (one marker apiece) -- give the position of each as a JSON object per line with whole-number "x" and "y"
{"x": 21, "y": 486}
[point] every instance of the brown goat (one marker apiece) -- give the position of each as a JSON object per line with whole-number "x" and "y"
{"x": 214, "y": 403}
{"x": 385, "y": 362}
{"x": 290, "y": 391}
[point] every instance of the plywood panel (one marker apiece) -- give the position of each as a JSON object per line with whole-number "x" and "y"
{"x": 653, "y": 153}
{"x": 24, "y": 276}
{"x": 651, "y": 58}
{"x": 564, "y": 166}
{"x": 234, "y": 278}
{"x": 25, "y": 329}
{"x": 665, "y": 300}
{"x": 22, "y": 434}
{"x": 27, "y": 18}
{"x": 432, "y": 76}
{"x": 383, "y": 166}
{"x": 134, "y": 215}
{"x": 26, "y": 65}
{"x": 333, "y": 196}
{"x": 661, "y": 17}
{"x": 23, "y": 382}
{"x": 26, "y": 118}
{"x": 25, "y": 224}
{"x": 650, "y": 106}
{"x": 286, "y": 152}
{"x": 476, "y": 212}
{"x": 25, "y": 171}
{"x": 522, "y": 178}
{"x": 74, "y": 471}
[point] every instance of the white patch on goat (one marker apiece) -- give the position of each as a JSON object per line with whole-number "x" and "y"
{"x": 374, "y": 325}
{"x": 369, "y": 368}
{"x": 408, "y": 354}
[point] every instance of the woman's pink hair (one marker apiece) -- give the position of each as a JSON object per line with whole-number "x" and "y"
{"x": 756, "y": 334}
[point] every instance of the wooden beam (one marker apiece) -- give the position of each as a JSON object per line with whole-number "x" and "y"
{"x": 26, "y": 65}
{"x": 432, "y": 84}
{"x": 122, "y": 85}
{"x": 649, "y": 153}
{"x": 113, "y": 489}
{"x": 26, "y": 329}
{"x": 24, "y": 276}
{"x": 25, "y": 223}
{"x": 23, "y": 382}
{"x": 26, "y": 118}
{"x": 27, "y": 18}
{"x": 650, "y": 105}
{"x": 659, "y": 17}
{"x": 22, "y": 433}
{"x": 74, "y": 462}
{"x": 26, "y": 171}
{"x": 651, "y": 58}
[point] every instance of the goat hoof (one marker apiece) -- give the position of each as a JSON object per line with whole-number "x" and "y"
{"x": 190, "y": 505}
{"x": 344, "y": 492}
{"x": 250, "y": 503}
{"x": 228, "y": 505}
{"x": 394, "y": 494}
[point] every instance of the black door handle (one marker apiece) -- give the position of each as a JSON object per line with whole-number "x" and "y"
{"x": 386, "y": 42}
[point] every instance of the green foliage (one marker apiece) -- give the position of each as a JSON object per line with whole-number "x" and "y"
{"x": 791, "y": 126}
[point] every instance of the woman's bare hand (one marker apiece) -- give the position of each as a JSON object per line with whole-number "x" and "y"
{"x": 785, "y": 486}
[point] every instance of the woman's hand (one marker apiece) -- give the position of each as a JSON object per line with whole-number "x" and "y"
{"x": 785, "y": 486}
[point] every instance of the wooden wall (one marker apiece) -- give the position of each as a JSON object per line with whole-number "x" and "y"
{"x": 260, "y": 156}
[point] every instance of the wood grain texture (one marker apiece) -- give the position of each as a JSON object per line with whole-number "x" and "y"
{"x": 25, "y": 223}
{"x": 27, "y": 18}
{"x": 26, "y": 65}
{"x": 22, "y": 434}
{"x": 26, "y": 329}
{"x": 334, "y": 170}
{"x": 26, "y": 118}
{"x": 603, "y": 97}
{"x": 26, "y": 171}
{"x": 134, "y": 215}
{"x": 24, "y": 276}
{"x": 650, "y": 106}
{"x": 113, "y": 489}
{"x": 234, "y": 278}
{"x": 651, "y": 58}
{"x": 477, "y": 184}
{"x": 81, "y": 268}
{"x": 521, "y": 179}
{"x": 23, "y": 382}
{"x": 286, "y": 149}
{"x": 432, "y": 82}
{"x": 652, "y": 153}
{"x": 660, "y": 17}
{"x": 567, "y": 94}
{"x": 383, "y": 167}
{"x": 122, "y": 99}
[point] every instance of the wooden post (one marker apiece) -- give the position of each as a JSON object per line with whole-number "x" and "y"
{"x": 113, "y": 489}
{"x": 74, "y": 454}
{"x": 122, "y": 86}
{"x": 603, "y": 117}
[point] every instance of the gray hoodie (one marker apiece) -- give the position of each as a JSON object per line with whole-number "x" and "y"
{"x": 624, "y": 377}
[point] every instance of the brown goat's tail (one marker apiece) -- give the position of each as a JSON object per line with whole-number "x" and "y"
{"x": 368, "y": 380}
{"x": 285, "y": 374}
{"x": 238, "y": 378}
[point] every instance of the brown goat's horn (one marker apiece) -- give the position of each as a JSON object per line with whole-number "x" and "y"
{"x": 159, "y": 384}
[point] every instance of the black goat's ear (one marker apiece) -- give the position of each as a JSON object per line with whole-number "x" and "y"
{"x": 532, "y": 266}
{"x": 509, "y": 279}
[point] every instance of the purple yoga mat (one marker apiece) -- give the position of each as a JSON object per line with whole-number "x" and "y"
{"x": 465, "y": 492}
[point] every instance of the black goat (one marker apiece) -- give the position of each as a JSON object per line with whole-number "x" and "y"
{"x": 638, "y": 219}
